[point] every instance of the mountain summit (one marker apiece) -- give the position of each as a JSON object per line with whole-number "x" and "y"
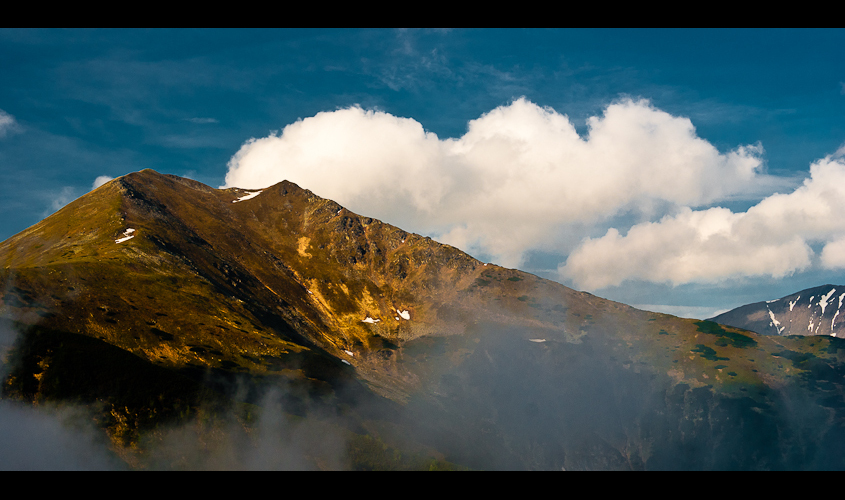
{"x": 163, "y": 266}
{"x": 158, "y": 300}
{"x": 814, "y": 311}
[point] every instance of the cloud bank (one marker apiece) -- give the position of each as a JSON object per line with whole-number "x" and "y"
{"x": 521, "y": 179}
{"x": 772, "y": 238}
{"x": 519, "y": 174}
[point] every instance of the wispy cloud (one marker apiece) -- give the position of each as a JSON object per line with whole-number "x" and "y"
{"x": 7, "y": 124}
{"x": 190, "y": 141}
{"x": 203, "y": 121}
{"x": 61, "y": 198}
{"x": 143, "y": 93}
{"x": 54, "y": 199}
{"x": 417, "y": 61}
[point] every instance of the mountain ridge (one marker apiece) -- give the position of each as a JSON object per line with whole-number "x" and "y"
{"x": 813, "y": 311}
{"x": 279, "y": 288}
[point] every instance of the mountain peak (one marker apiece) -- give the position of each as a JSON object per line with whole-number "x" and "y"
{"x": 282, "y": 256}
{"x": 145, "y": 294}
{"x": 813, "y": 311}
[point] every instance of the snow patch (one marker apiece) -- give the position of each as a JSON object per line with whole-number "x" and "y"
{"x": 347, "y": 362}
{"x": 127, "y": 235}
{"x": 350, "y": 353}
{"x": 833, "y": 320}
{"x": 249, "y": 196}
{"x": 810, "y": 326}
{"x": 770, "y": 301}
{"x": 404, "y": 314}
{"x": 823, "y": 301}
{"x": 775, "y": 322}
{"x": 792, "y": 304}
{"x": 536, "y": 340}
{"x": 370, "y": 320}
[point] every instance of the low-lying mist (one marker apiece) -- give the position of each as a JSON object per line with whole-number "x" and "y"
{"x": 260, "y": 435}
{"x": 511, "y": 404}
{"x": 47, "y": 437}
{"x": 272, "y": 440}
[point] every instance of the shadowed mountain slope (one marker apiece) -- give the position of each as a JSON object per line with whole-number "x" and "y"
{"x": 223, "y": 295}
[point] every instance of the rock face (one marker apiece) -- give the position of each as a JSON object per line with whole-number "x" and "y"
{"x": 156, "y": 299}
{"x": 815, "y": 311}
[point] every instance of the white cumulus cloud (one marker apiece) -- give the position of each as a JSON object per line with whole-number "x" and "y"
{"x": 833, "y": 254}
{"x": 100, "y": 180}
{"x": 518, "y": 179}
{"x": 772, "y": 238}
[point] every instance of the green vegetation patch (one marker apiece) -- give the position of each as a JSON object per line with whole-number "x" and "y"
{"x": 481, "y": 282}
{"x": 725, "y": 337}
{"x": 708, "y": 353}
{"x": 818, "y": 369}
{"x": 514, "y": 278}
{"x": 836, "y": 344}
{"x": 799, "y": 359}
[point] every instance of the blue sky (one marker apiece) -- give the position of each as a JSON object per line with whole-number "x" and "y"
{"x": 652, "y": 150}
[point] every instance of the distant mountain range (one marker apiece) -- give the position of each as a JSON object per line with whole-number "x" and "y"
{"x": 814, "y": 311}
{"x": 157, "y": 302}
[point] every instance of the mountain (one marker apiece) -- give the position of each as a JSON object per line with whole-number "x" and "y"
{"x": 164, "y": 307}
{"x": 814, "y": 311}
